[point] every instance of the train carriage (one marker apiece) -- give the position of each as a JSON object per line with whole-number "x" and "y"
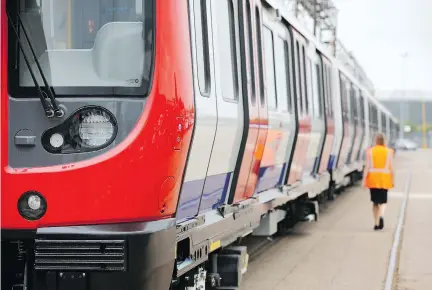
{"x": 140, "y": 139}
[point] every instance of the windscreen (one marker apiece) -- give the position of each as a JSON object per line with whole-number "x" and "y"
{"x": 85, "y": 46}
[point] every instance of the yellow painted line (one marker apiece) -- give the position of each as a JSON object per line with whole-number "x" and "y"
{"x": 215, "y": 245}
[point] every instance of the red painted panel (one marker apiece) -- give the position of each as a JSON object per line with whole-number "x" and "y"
{"x": 127, "y": 183}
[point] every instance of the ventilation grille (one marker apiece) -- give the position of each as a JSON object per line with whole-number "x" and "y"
{"x": 80, "y": 255}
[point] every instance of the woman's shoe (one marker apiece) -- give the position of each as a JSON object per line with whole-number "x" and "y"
{"x": 381, "y": 223}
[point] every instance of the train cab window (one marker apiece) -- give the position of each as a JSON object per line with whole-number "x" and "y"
{"x": 259, "y": 54}
{"x": 269, "y": 68}
{"x": 226, "y": 47}
{"x": 282, "y": 75}
{"x": 251, "y": 51}
{"x": 202, "y": 46}
{"x": 74, "y": 42}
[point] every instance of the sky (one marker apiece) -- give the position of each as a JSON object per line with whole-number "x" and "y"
{"x": 378, "y": 32}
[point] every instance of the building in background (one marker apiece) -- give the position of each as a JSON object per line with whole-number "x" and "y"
{"x": 413, "y": 108}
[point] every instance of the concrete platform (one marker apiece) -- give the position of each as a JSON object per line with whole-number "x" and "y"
{"x": 342, "y": 251}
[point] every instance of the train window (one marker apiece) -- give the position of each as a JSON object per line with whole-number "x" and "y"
{"x": 259, "y": 54}
{"x": 251, "y": 51}
{"x": 319, "y": 92}
{"x": 353, "y": 104}
{"x": 74, "y": 42}
{"x": 330, "y": 91}
{"x": 269, "y": 68}
{"x": 299, "y": 79}
{"x": 326, "y": 91}
{"x": 384, "y": 123}
{"x": 361, "y": 109}
{"x": 226, "y": 46}
{"x": 306, "y": 96}
{"x": 202, "y": 46}
{"x": 282, "y": 75}
{"x": 344, "y": 97}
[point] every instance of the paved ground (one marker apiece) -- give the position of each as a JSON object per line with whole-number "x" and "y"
{"x": 342, "y": 251}
{"x": 415, "y": 266}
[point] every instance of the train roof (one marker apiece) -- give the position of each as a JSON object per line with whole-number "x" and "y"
{"x": 295, "y": 23}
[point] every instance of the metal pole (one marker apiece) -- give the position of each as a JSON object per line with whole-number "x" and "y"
{"x": 401, "y": 102}
{"x": 424, "y": 124}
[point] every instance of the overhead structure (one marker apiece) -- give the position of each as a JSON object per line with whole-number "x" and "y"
{"x": 320, "y": 17}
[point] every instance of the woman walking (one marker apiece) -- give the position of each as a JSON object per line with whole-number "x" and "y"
{"x": 378, "y": 176}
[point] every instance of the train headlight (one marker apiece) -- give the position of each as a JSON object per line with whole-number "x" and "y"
{"x": 88, "y": 129}
{"x": 96, "y": 129}
{"x": 32, "y": 205}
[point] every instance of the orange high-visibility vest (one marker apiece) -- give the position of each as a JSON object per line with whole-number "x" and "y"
{"x": 380, "y": 165}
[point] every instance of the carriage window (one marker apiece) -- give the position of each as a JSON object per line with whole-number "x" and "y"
{"x": 226, "y": 47}
{"x": 202, "y": 46}
{"x": 282, "y": 75}
{"x": 304, "y": 81}
{"x": 260, "y": 60}
{"x": 310, "y": 79}
{"x": 269, "y": 68}
{"x": 299, "y": 79}
{"x": 319, "y": 92}
{"x": 361, "y": 109}
{"x": 251, "y": 52}
{"x": 74, "y": 42}
{"x": 326, "y": 91}
{"x": 329, "y": 91}
{"x": 384, "y": 123}
{"x": 344, "y": 98}
{"x": 353, "y": 104}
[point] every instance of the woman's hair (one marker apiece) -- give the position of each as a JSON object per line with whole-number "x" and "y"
{"x": 379, "y": 139}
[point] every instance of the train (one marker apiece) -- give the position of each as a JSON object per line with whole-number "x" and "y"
{"x": 141, "y": 140}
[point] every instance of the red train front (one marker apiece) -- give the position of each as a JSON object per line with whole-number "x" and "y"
{"x": 97, "y": 115}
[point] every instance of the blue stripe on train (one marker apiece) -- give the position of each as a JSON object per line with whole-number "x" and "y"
{"x": 269, "y": 177}
{"x": 331, "y": 163}
{"x": 202, "y": 195}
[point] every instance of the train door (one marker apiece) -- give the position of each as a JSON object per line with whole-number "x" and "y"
{"x": 316, "y": 115}
{"x": 346, "y": 143}
{"x": 304, "y": 120}
{"x": 362, "y": 119}
{"x": 254, "y": 133}
{"x": 357, "y": 124}
{"x": 280, "y": 137}
{"x": 328, "y": 114}
{"x": 230, "y": 102}
{"x": 352, "y": 120}
{"x": 338, "y": 118}
{"x": 206, "y": 110}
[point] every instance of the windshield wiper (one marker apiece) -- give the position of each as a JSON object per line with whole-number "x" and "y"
{"x": 51, "y": 110}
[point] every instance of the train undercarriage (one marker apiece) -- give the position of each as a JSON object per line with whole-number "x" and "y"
{"x": 221, "y": 261}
